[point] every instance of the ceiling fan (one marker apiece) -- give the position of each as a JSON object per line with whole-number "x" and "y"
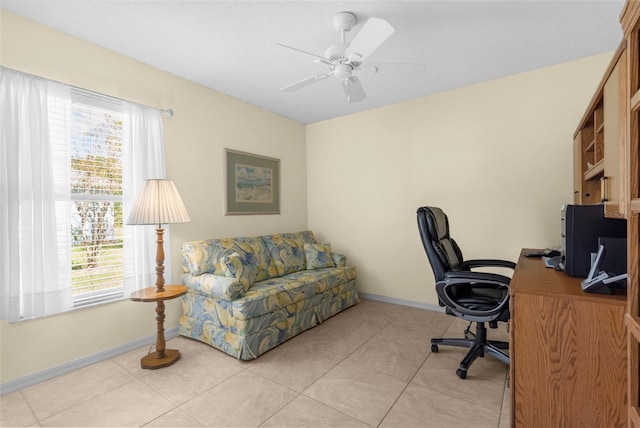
{"x": 345, "y": 61}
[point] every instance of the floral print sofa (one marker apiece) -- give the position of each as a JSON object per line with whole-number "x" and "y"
{"x": 247, "y": 295}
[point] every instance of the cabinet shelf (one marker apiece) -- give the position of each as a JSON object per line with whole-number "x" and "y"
{"x": 595, "y": 170}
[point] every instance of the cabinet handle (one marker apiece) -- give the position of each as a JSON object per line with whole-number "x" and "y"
{"x": 604, "y": 189}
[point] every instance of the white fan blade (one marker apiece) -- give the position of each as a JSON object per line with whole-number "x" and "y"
{"x": 306, "y": 82}
{"x": 319, "y": 58}
{"x": 405, "y": 66}
{"x": 372, "y": 35}
{"x": 353, "y": 89}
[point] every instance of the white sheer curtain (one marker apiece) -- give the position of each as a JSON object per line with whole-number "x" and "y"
{"x": 143, "y": 159}
{"x": 35, "y": 253}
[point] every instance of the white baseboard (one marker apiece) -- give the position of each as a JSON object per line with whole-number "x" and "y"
{"x": 402, "y": 302}
{"x": 47, "y": 374}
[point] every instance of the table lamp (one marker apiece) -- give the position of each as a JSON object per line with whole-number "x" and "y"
{"x": 159, "y": 203}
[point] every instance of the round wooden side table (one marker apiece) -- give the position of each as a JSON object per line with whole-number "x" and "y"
{"x": 161, "y": 357}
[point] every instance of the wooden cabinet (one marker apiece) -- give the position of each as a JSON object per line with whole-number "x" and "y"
{"x": 568, "y": 352}
{"x": 630, "y": 106}
{"x": 624, "y": 182}
{"x": 598, "y": 144}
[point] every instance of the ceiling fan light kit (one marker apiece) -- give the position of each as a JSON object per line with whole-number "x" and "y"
{"x": 346, "y": 60}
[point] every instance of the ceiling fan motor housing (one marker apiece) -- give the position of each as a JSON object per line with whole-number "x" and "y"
{"x": 335, "y": 52}
{"x": 343, "y": 71}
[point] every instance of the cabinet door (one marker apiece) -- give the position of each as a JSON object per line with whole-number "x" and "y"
{"x": 613, "y": 143}
{"x": 571, "y": 362}
{"x": 577, "y": 169}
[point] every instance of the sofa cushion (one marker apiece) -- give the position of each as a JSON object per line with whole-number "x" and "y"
{"x": 254, "y": 251}
{"x": 196, "y": 257}
{"x": 267, "y": 296}
{"x": 318, "y": 256}
{"x": 235, "y": 265}
{"x": 287, "y": 250}
{"x": 200, "y": 257}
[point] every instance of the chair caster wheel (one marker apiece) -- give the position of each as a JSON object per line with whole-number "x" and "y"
{"x": 462, "y": 374}
{"x": 434, "y": 348}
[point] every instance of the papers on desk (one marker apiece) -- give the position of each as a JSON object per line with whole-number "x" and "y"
{"x": 552, "y": 262}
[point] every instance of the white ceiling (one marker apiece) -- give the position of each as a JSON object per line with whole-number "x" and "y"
{"x": 230, "y": 46}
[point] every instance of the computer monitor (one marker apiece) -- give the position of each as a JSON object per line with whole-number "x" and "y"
{"x": 582, "y": 225}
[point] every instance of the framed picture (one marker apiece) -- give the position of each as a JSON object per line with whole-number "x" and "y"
{"x": 252, "y": 184}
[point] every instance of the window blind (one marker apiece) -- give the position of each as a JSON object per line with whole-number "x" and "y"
{"x": 97, "y": 137}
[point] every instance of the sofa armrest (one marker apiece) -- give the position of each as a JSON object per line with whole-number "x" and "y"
{"x": 217, "y": 286}
{"x": 340, "y": 260}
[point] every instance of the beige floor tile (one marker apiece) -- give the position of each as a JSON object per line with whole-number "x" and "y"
{"x": 437, "y": 320}
{"x": 191, "y": 375}
{"x": 357, "y": 391}
{"x": 506, "y": 401}
{"x": 187, "y": 345}
{"x": 484, "y": 384}
{"x": 293, "y": 366}
{"x": 400, "y": 361}
{"x": 459, "y": 325}
{"x": 336, "y": 339}
{"x": 413, "y": 335}
{"x": 351, "y": 370}
{"x": 175, "y": 418}
{"x": 303, "y": 412}
{"x": 131, "y": 405}
{"x": 79, "y": 386}
{"x": 505, "y": 422}
{"x": 424, "y": 408}
{"x": 245, "y": 400}
{"x": 14, "y": 411}
{"x": 131, "y": 360}
{"x": 374, "y": 313}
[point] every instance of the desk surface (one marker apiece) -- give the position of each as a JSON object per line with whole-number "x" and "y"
{"x": 533, "y": 277}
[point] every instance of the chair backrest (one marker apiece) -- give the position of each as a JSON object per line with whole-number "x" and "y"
{"x": 443, "y": 252}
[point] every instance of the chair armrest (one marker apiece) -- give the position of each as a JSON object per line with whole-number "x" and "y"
{"x": 466, "y": 277}
{"x": 487, "y": 263}
{"x": 478, "y": 279}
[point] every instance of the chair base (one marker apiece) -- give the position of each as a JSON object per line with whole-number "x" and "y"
{"x": 479, "y": 347}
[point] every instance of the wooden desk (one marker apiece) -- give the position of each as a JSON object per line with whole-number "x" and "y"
{"x": 162, "y": 357}
{"x": 568, "y": 351}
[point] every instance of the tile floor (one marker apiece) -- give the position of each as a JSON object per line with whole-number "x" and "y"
{"x": 369, "y": 366}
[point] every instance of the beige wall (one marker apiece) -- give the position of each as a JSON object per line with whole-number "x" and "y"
{"x": 496, "y": 156}
{"x": 204, "y": 123}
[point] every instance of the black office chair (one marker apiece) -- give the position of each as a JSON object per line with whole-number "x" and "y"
{"x": 479, "y": 297}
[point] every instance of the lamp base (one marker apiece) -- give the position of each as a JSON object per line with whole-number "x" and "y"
{"x": 152, "y": 360}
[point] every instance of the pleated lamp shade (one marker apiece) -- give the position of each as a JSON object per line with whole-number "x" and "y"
{"x": 158, "y": 203}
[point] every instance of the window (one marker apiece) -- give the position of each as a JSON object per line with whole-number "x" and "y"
{"x": 72, "y": 162}
{"x": 97, "y": 239}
